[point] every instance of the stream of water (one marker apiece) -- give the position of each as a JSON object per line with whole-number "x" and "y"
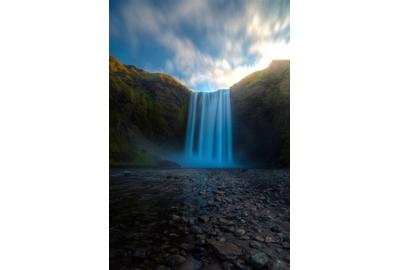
{"x": 209, "y": 130}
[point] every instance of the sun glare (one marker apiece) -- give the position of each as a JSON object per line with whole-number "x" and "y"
{"x": 227, "y": 77}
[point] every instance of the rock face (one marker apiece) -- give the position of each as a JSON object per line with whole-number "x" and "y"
{"x": 148, "y": 111}
{"x": 261, "y": 116}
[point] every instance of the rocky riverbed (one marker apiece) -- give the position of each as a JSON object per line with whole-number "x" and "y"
{"x": 199, "y": 219}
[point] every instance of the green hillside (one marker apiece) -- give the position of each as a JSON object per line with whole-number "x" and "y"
{"x": 261, "y": 113}
{"x": 147, "y": 110}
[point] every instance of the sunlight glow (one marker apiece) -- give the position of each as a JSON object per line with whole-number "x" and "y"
{"x": 224, "y": 75}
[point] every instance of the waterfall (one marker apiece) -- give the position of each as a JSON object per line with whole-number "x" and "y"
{"x": 209, "y": 130}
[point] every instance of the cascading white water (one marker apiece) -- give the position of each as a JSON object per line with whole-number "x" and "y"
{"x": 209, "y": 130}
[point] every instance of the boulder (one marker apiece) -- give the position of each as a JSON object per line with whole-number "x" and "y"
{"x": 225, "y": 250}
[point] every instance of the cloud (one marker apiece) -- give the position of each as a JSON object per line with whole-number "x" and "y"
{"x": 211, "y": 44}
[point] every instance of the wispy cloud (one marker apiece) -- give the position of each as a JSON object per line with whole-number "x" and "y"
{"x": 210, "y": 44}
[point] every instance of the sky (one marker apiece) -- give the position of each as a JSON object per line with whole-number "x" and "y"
{"x": 206, "y": 44}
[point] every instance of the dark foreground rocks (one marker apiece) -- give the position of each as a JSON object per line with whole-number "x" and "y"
{"x": 199, "y": 219}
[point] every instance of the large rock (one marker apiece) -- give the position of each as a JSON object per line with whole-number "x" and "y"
{"x": 225, "y": 250}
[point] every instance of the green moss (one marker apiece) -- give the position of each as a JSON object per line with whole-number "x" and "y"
{"x": 143, "y": 104}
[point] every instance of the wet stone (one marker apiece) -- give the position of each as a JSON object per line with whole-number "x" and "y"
{"x": 140, "y": 253}
{"x": 177, "y": 260}
{"x": 240, "y": 264}
{"x": 269, "y": 239}
{"x": 259, "y": 260}
{"x": 224, "y": 249}
{"x": 255, "y": 244}
{"x": 259, "y": 238}
{"x": 218, "y": 219}
{"x": 228, "y": 266}
{"x": 196, "y": 229}
{"x": 221, "y": 239}
{"x": 214, "y": 266}
{"x": 240, "y": 232}
{"x": 163, "y": 267}
{"x": 187, "y": 246}
{"x": 275, "y": 229}
{"x": 175, "y": 217}
{"x": 280, "y": 265}
{"x": 204, "y": 219}
{"x": 245, "y": 237}
{"x": 191, "y": 264}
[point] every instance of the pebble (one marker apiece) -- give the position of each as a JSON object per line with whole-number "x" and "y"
{"x": 175, "y": 217}
{"x": 255, "y": 244}
{"x": 204, "y": 219}
{"x": 279, "y": 265}
{"x": 140, "y": 253}
{"x": 196, "y": 229}
{"x": 269, "y": 239}
{"x": 163, "y": 267}
{"x": 259, "y": 238}
{"x": 230, "y": 223}
{"x": 275, "y": 229}
{"x": 240, "y": 232}
{"x": 178, "y": 259}
{"x": 187, "y": 246}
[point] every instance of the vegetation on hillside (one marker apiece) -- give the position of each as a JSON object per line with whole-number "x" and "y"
{"x": 144, "y": 107}
{"x": 261, "y": 107}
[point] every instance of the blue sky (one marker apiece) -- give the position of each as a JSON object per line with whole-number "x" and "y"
{"x": 207, "y": 44}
